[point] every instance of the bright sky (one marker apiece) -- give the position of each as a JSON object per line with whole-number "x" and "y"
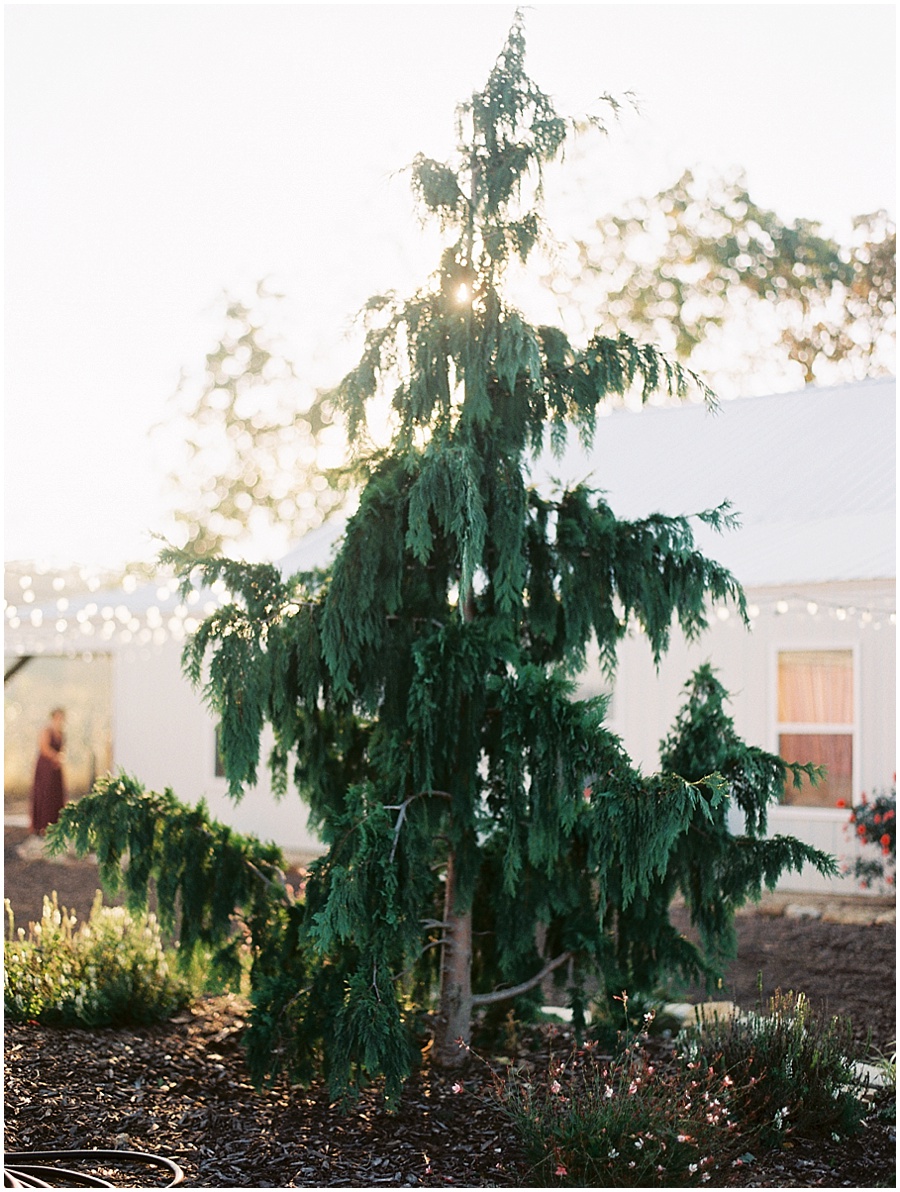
{"x": 159, "y": 154}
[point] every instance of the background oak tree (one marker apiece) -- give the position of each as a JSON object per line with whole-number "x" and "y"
{"x": 722, "y": 283}
{"x": 245, "y": 442}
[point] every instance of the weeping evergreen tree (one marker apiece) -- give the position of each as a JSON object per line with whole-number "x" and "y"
{"x": 484, "y": 828}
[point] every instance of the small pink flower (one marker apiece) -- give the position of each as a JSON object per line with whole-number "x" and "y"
{"x": 457, "y": 1088}
{"x": 556, "y": 1087}
{"x": 560, "y": 1170}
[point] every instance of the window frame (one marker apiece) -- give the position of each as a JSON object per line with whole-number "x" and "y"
{"x": 777, "y": 727}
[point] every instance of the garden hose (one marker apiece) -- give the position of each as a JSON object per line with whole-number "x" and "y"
{"x": 38, "y": 1169}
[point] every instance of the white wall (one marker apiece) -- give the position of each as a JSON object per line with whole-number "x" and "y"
{"x": 164, "y": 736}
{"x": 646, "y": 702}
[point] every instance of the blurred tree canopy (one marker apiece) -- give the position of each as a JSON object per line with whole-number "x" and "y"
{"x": 701, "y": 267}
{"x": 249, "y": 446}
{"x": 717, "y": 281}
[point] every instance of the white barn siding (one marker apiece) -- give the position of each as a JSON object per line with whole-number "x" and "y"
{"x": 164, "y": 736}
{"x": 645, "y": 701}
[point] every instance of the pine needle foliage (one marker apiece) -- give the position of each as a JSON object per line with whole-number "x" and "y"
{"x": 484, "y": 827}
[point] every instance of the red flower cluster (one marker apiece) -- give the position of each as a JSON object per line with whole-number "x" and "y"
{"x": 873, "y": 823}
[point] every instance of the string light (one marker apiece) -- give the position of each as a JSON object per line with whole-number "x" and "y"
{"x": 172, "y": 616}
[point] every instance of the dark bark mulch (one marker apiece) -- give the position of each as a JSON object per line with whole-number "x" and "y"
{"x": 182, "y": 1089}
{"x": 844, "y": 969}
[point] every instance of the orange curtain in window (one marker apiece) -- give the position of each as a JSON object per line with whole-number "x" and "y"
{"x": 834, "y": 751}
{"x": 815, "y": 687}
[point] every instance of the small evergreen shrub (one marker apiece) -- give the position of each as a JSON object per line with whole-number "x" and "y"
{"x": 792, "y": 1073}
{"x": 110, "y": 971}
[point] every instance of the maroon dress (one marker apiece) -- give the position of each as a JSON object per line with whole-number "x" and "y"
{"x": 49, "y": 794}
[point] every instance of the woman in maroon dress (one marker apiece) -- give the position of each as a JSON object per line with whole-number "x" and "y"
{"x": 48, "y": 795}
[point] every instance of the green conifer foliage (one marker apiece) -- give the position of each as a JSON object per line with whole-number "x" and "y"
{"x": 484, "y": 827}
{"x": 714, "y": 870}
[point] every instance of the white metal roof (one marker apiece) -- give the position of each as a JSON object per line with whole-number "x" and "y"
{"x": 811, "y": 475}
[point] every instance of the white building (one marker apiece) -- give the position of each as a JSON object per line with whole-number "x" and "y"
{"x": 811, "y": 475}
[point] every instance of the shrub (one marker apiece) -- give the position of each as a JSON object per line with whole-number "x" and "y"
{"x": 735, "y": 1085}
{"x": 110, "y": 971}
{"x": 886, "y": 1096}
{"x": 792, "y": 1072}
{"x": 873, "y": 823}
{"x": 599, "y": 1121}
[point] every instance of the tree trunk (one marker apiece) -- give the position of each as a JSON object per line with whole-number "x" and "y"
{"x": 454, "y": 1017}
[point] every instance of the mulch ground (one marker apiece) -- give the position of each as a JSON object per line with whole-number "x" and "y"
{"x": 182, "y": 1090}
{"x": 845, "y": 969}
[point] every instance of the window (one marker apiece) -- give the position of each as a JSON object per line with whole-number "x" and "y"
{"x": 816, "y": 722}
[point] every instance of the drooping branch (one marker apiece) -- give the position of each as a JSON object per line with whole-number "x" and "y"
{"x": 504, "y": 995}
{"x": 403, "y": 808}
{"x": 431, "y": 944}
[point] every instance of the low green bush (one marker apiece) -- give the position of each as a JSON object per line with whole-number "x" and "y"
{"x": 731, "y": 1087}
{"x": 793, "y": 1071}
{"x": 618, "y": 1122}
{"x": 110, "y": 971}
